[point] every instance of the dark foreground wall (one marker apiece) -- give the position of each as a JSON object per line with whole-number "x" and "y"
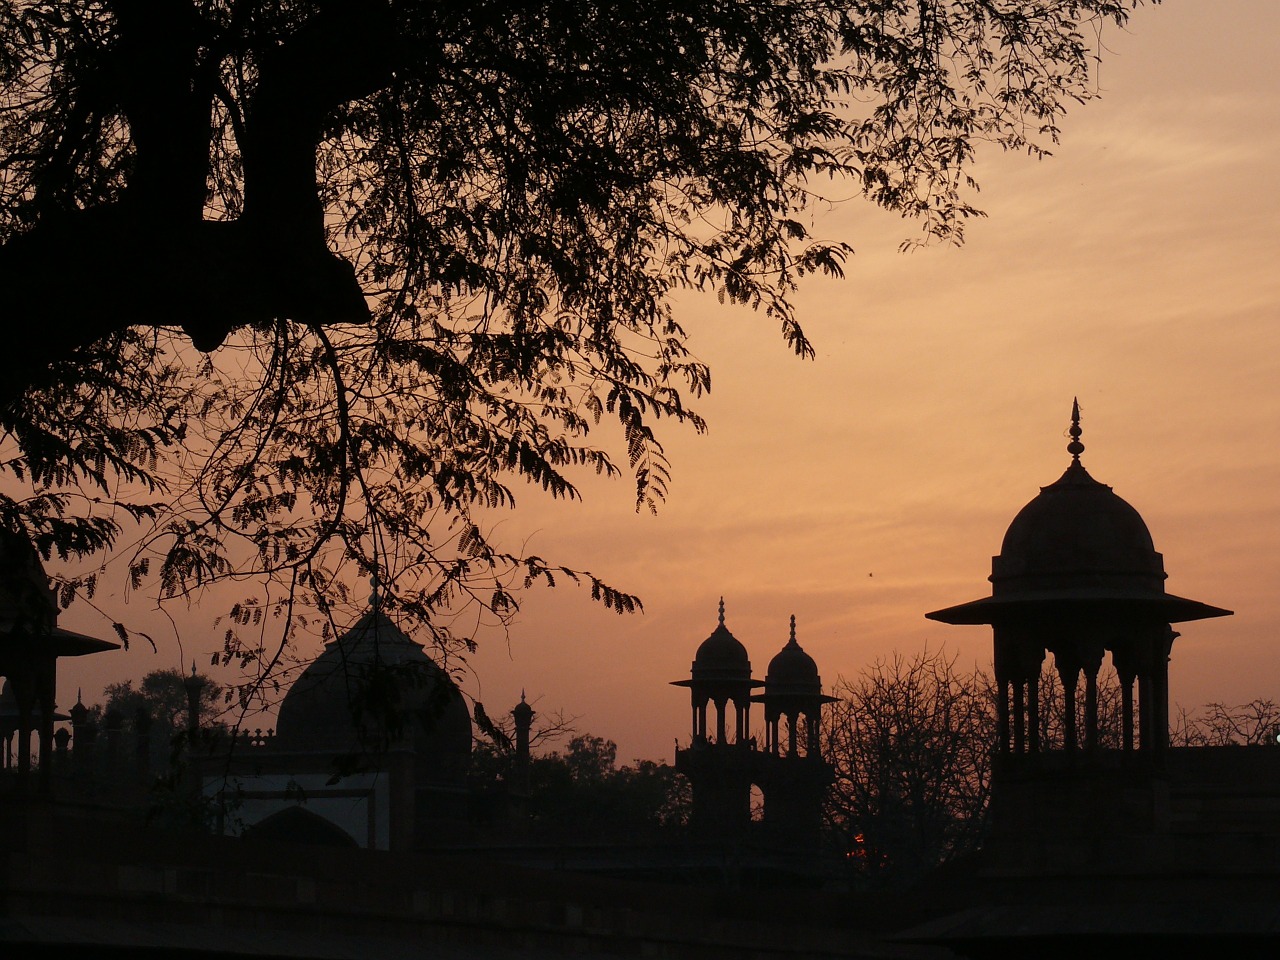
{"x": 113, "y": 889}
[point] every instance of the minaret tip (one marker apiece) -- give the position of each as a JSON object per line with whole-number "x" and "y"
{"x": 722, "y": 611}
{"x": 1075, "y": 447}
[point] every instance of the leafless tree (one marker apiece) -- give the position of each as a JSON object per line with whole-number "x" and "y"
{"x": 1256, "y": 723}
{"x": 911, "y": 741}
{"x": 1053, "y": 709}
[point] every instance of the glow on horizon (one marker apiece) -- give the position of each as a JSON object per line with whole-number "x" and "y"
{"x": 1136, "y": 269}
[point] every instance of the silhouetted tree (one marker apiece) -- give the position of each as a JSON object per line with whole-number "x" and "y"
{"x": 494, "y": 746}
{"x": 581, "y": 789}
{"x": 436, "y": 244}
{"x": 911, "y": 743}
{"x": 1256, "y": 723}
{"x": 162, "y": 694}
{"x": 912, "y": 740}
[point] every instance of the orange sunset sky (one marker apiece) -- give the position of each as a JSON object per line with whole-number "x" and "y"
{"x": 1136, "y": 269}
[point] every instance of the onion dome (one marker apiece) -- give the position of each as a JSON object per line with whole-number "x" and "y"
{"x": 374, "y": 688}
{"x": 1077, "y": 543}
{"x": 721, "y": 657}
{"x": 792, "y": 680}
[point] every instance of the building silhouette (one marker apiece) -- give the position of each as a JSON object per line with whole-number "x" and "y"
{"x": 1094, "y": 850}
{"x": 371, "y": 748}
{"x": 723, "y": 760}
{"x": 1101, "y": 844}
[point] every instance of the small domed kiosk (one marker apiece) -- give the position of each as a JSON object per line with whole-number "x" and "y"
{"x": 31, "y": 642}
{"x": 720, "y": 767}
{"x": 1077, "y": 576}
{"x": 794, "y": 775}
{"x": 792, "y": 692}
{"x": 720, "y": 675}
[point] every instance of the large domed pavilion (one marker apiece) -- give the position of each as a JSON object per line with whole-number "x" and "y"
{"x": 1078, "y": 576}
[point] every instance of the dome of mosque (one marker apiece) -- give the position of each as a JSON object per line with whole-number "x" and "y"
{"x": 372, "y": 689}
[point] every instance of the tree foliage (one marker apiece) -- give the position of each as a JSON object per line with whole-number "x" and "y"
{"x": 162, "y": 695}
{"x": 583, "y": 790}
{"x": 580, "y": 789}
{"x": 321, "y": 282}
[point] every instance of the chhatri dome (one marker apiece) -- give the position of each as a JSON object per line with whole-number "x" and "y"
{"x": 1077, "y": 544}
{"x": 792, "y": 671}
{"x": 721, "y": 656}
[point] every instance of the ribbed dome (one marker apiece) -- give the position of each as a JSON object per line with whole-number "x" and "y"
{"x": 1077, "y": 535}
{"x": 374, "y": 687}
{"x": 1077, "y": 549}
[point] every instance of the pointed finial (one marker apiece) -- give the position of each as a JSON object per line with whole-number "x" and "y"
{"x": 78, "y": 699}
{"x": 793, "y": 629}
{"x": 722, "y": 611}
{"x": 522, "y": 694}
{"x": 1075, "y": 447}
{"x": 374, "y": 592}
{"x": 193, "y": 667}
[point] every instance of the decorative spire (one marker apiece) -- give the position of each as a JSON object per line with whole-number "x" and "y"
{"x": 1075, "y": 447}
{"x": 793, "y": 630}
{"x": 722, "y": 611}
